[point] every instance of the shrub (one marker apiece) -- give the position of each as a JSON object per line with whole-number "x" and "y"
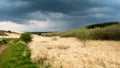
{"x": 26, "y": 37}
{"x": 2, "y": 33}
{"x": 84, "y": 34}
{"x": 108, "y": 33}
{"x": 68, "y": 34}
{"x": 9, "y": 31}
{"x": 3, "y": 41}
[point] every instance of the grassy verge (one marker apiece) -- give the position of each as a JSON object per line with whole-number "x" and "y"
{"x": 16, "y": 56}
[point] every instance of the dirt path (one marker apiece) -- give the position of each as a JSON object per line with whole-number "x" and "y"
{"x": 10, "y": 35}
{"x": 3, "y": 47}
{"x": 70, "y": 53}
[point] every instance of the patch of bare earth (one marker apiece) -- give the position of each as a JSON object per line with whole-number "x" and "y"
{"x": 2, "y": 48}
{"x": 9, "y": 35}
{"x": 70, "y": 53}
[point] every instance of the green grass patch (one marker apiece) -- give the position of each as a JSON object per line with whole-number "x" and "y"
{"x": 16, "y": 56}
{"x": 4, "y": 56}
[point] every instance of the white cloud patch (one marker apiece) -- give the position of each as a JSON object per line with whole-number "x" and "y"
{"x": 44, "y": 16}
{"x": 8, "y": 25}
{"x": 40, "y": 24}
{"x": 16, "y": 4}
{"x": 100, "y": 15}
{"x": 32, "y": 25}
{"x": 99, "y": 9}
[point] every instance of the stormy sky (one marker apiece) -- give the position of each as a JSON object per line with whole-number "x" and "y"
{"x": 56, "y": 15}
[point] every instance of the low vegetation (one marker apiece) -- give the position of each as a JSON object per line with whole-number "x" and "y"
{"x": 2, "y": 33}
{"x": 107, "y": 33}
{"x": 16, "y": 56}
{"x": 26, "y": 37}
{"x": 54, "y": 38}
{"x": 61, "y": 34}
{"x": 5, "y": 41}
{"x": 83, "y": 34}
{"x": 2, "y": 42}
{"x": 102, "y": 25}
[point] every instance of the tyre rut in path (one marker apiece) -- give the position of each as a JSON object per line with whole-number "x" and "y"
{"x": 3, "y": 47}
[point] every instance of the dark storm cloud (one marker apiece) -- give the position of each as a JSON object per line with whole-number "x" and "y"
{"x": 70, "y": 13}
{"x": 63, "y": 6}
{"x": 17, "y": 10}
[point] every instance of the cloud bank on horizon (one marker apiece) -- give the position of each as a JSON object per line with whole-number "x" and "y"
{"x": 55, "y": 15}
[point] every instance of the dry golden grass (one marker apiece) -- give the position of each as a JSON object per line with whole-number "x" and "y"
{"x": 70, "y": 53}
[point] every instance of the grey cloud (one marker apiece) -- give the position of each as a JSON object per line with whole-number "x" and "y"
{"x": 73, "y": 13}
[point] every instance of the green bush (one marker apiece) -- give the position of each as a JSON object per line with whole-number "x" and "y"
{"x": 84, "y": 34}
{"x": 3, "y": 41}
{"x": 107, "y": 33}
{"x": 26, "y": 37}
{"x": 68, "y": 34}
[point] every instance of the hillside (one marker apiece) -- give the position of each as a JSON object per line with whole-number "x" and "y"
{"x": 102, "y": 25}
{"x": 2, "y": 33}
{"x": 8, "y": 34}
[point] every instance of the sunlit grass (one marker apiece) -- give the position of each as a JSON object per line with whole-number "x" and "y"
{"x": 16, "y": 55}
